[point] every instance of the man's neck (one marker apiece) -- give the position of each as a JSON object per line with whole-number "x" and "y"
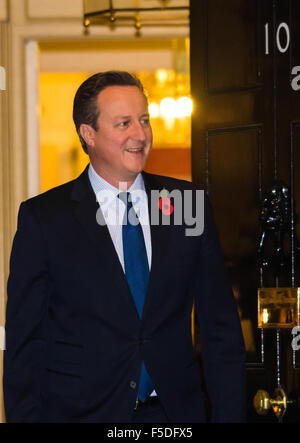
{"x": 122, "y": 185}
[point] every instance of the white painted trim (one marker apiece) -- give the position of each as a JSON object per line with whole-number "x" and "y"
{"x": 32, "y": 118}
{"x": 2, "y": 339}
{"x": 2, "y": 78}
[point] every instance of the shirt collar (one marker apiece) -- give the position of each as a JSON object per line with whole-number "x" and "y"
{"x": 99, "y": 184}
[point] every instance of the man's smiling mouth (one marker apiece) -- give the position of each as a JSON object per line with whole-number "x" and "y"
{"x": 135, "y": 150}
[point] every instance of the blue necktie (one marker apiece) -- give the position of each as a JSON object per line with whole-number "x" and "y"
{"x": 137, "y": 274}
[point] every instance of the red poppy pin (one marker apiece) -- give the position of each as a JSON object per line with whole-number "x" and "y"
{"x": 164, "y": 203}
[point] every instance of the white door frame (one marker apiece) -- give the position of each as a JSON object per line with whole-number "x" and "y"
{"x": 32, "y": 118}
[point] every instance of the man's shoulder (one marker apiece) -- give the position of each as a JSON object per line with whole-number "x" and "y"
{"x": 158, "y": 182}
{"x": 58, "y": 195}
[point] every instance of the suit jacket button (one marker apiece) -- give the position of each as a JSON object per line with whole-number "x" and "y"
{"x": 133, "y": 384}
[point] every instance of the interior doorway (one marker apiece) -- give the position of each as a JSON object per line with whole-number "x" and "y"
{"x": 163, "y": 67}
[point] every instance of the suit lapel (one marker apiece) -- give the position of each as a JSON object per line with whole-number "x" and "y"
{"x": 160, "y": 242}
{"x": 85, "y": 210}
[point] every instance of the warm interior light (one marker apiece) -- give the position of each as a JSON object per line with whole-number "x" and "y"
{"x": 168, "y": 107}
{"x": 265, "y": 315}
{"x": 184, "y": 107}
{"x": 171, "y": 108}
{"x": 161, "y": 75}
{"x": 153, "y": 110}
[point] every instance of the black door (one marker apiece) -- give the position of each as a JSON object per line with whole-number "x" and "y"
{"x": 245, "y": 82}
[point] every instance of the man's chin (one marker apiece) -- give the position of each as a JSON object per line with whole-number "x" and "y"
{"x": 137, "y": 167}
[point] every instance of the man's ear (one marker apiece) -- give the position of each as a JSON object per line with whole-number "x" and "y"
{"x": 88, "y": 134}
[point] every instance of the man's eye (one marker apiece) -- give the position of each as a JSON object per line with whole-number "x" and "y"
{"x": 124, "y": 124}
{"x": 145, "y": 121}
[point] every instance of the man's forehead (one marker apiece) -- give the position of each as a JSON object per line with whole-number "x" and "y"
{"x": 120, "y": 100}
{"x": 118, "y": 92}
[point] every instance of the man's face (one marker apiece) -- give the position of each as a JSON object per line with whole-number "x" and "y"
{"x": 120, "y": 147}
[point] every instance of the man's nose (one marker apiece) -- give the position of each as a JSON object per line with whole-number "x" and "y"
{"x": 138, "y": 132}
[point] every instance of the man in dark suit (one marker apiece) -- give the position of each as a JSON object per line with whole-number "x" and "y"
{"x": 104, "y": 274}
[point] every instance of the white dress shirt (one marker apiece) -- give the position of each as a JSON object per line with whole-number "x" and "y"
{"x": 113, "y": 210}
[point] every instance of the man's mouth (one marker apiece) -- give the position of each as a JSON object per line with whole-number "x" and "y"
{"x": 135, "y": 150}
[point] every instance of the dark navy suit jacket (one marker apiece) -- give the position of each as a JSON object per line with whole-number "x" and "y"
{"x": 74, "y": 339}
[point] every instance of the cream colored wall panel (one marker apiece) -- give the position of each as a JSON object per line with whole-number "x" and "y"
{"x": 52, "y": 9}
{"x": 95, "y": 61}
{"x": 3, "y": 10}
